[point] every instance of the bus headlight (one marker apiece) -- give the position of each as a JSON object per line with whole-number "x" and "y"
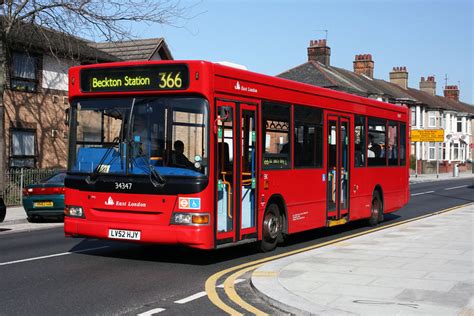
{"x": 74, "y": 211}
{"x": 190, "y": 219}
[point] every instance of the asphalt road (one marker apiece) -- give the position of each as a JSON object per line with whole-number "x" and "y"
{"x": 43, "y": 273}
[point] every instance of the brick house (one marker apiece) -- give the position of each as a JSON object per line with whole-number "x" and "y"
{"x": 34, "y": 133}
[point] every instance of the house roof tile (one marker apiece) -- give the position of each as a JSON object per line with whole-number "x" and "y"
{"x": 135, "y": 49}
{"x": 34, "y": 38}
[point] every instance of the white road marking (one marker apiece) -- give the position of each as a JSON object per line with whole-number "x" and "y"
{"x": 152, "y": 312}
{"x": 421, "y": 193}
{"x": 191, "y": 298}
{"x": 236, "y": 282}
{"x": 458, "y": 187}
{"x": 201, "y": 294}
{"x": 50, "y": 256}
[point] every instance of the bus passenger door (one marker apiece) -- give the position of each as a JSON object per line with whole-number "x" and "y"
{"x": 338, "y": 172}
{"x": 248, "y": 171}
{"x": 235, "y": 135}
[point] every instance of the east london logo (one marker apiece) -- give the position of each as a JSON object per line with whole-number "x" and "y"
{"x": 240, "y": 87}
{"x": 111, "y": 202}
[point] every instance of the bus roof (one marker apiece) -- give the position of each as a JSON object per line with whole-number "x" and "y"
{"x": 234, "y": 74}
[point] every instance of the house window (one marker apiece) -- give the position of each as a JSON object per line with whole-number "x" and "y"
{"x": 432, "y": 119}
{"x": 431, "y": 151}
{"x": 413, "y": 116}
{"x": 459, "y": 125}
{"x": 23, "y": 148}
{"x": 455, "y": 151}
{"x": 24, "y": 69}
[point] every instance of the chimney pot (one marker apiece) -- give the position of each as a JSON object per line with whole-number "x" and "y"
{"x": 429, "y": 85}
{"x": 319, "y": 51}
{"x": 363, "y": 64}
{"x": 399, "y": 76}
{"x": 452, "y": 92}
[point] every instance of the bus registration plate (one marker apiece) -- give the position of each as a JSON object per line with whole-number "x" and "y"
{"x": 124, "y": 234}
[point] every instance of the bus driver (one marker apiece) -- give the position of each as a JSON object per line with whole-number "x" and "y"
{"x": 178, "y": 159}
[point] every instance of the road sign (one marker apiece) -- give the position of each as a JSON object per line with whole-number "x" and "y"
{"x": 427, "y": 135}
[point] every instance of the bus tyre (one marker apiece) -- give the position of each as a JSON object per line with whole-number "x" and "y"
{"x": 271, "y": 229}
{"x": 376, "y": 210}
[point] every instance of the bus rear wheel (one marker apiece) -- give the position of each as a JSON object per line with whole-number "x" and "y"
{"x": 272, "y": 228}
{"x": 376, "y": 210}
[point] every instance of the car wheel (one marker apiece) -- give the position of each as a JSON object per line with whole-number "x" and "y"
{"x": 271, "y": 229}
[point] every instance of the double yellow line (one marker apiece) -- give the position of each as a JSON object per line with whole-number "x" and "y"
{"x": 211, "y": 282}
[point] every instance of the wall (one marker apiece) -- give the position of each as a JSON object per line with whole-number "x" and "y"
{"x": 55, "y": 73}
{"x": 38, "y": 111}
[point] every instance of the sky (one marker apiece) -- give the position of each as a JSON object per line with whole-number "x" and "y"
{"x": 429, "y": 37}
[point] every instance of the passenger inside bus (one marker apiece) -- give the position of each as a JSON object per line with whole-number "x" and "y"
{"x": 178, "y": 159}
{"x": 374, "y": 148}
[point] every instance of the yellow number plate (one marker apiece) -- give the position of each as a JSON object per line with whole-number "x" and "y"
{"x": 43, "y": 204}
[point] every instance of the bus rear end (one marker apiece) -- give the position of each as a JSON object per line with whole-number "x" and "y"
{"x": 138, "y": 145}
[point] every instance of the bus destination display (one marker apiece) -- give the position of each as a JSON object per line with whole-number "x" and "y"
{"x": 144, "y": 78}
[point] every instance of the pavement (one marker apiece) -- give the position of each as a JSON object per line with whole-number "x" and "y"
{"x": 442, "y": 176}
{"x": 15, "y": 221}
{"x": 423, "y": 267}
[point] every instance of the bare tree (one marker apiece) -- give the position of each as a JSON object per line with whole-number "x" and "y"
{"x": 92, "y": 19}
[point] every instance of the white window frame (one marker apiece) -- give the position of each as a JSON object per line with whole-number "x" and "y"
{"x": 458, "y": 121}
{"x": 431, "y": 151}
{"x": 432, "y": 116}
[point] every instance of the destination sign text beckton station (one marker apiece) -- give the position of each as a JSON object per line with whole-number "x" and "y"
{"x": 142, "y": 78}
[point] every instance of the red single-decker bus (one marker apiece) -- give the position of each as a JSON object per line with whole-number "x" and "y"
{"x": 209, "y": 156}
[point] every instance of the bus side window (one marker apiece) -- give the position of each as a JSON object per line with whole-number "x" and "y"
{"x": 402, "y": 144}
{"x": 276, "y": 136}
{"x": 308, "y": 140}
{"x": 392, "y": 149}
{"x": 376, "y": 148}
{"x": 360, "y": 141}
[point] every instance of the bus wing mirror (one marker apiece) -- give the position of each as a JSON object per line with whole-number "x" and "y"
{"x": 225, "y": 113}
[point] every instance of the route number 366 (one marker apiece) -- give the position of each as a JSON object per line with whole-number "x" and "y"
{"x": 170, "y": 81}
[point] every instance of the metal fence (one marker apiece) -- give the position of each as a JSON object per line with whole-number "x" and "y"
{"x": 16, "y": 179}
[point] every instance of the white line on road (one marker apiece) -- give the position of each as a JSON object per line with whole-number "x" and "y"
{"x": 50, "y": 256}
{"x": 152, "y": 312}
{"x": 421, "y": 193}
{"x": 191, "y": 298}
{"x": 458, "y": 187}
{"x": 201, "y": 294}
{"x": 236, "y": 282}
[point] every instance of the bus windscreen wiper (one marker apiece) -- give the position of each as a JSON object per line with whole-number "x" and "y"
{"x": 155, "y": 178}
{"x": 92, "y": 178}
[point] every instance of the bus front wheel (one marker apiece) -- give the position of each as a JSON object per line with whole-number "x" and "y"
{"x": 376, "y": 210}
{"x": 272, "y": 228}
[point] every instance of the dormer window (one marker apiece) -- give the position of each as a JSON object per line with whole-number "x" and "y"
{"x": 24, "y": 72}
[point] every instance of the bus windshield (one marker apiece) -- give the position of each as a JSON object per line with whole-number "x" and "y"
{"x": 166, "y": 135}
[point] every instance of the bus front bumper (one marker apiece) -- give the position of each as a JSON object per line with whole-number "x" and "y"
{"x": 193, "y": 236}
